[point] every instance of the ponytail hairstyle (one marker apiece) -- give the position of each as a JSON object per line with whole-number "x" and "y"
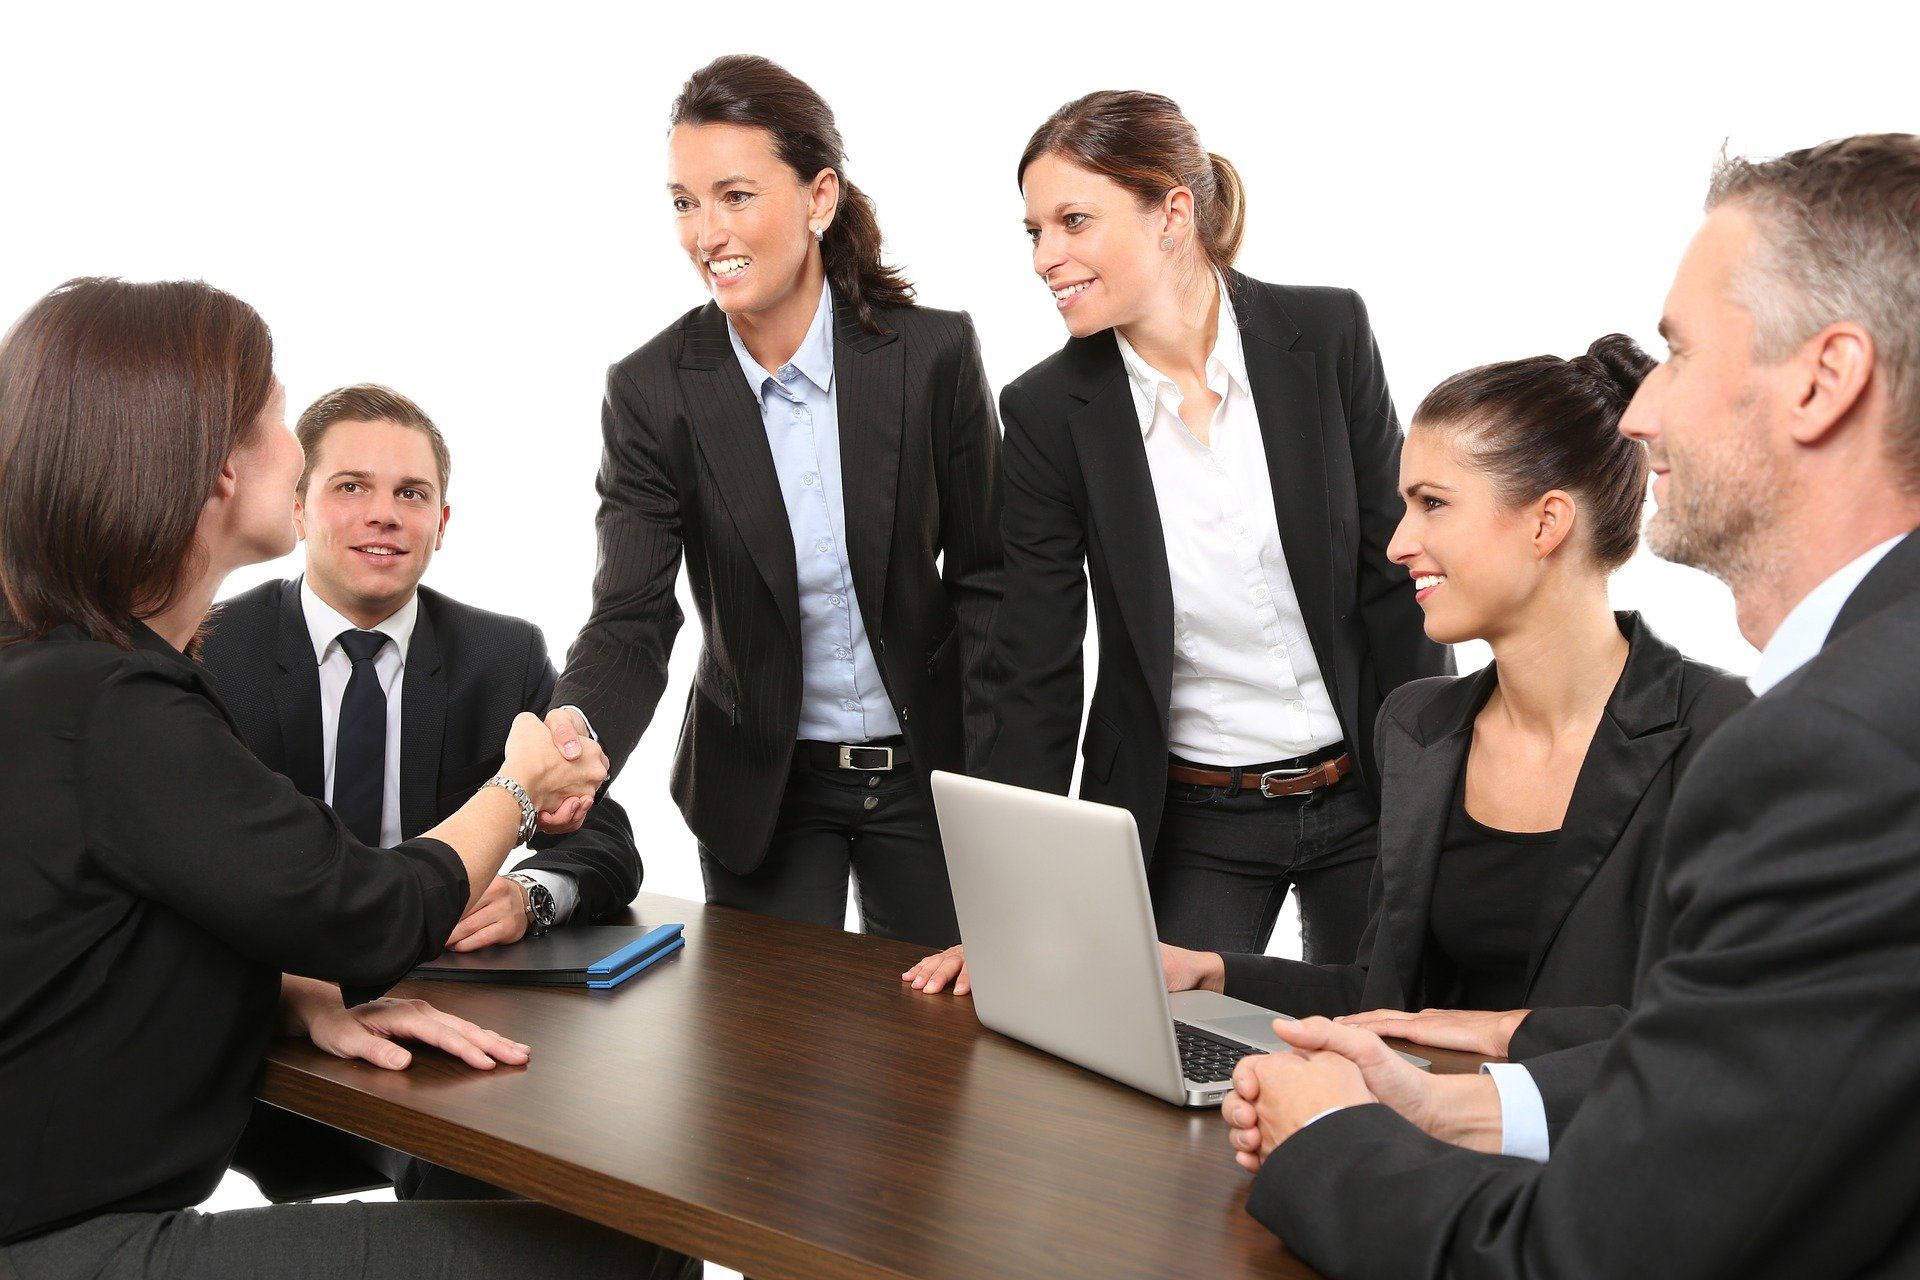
{"x": 745, "y": 89}
{"x": 1545, "y": 423}
{"x": 1141, "y": 141}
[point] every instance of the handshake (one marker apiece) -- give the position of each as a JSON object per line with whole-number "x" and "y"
{"x": 559, "y": 764}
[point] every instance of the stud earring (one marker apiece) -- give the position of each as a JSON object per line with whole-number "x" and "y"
{"x": 818, "y": 234}
{"x": 1167, "y": 243}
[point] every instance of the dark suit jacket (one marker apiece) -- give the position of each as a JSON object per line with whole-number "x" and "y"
{"x": 1755, "y": 1116}
{"x": 687, "y": 468}
{"x": 1080, "y": 500}
{"x": 469, "y": 672}
{"x": 1587, "y": 939}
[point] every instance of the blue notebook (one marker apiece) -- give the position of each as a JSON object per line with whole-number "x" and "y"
{"x": 592, "y": 955}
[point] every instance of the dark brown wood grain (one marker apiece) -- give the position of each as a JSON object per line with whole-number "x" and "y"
{"x": 774, "y": 1099}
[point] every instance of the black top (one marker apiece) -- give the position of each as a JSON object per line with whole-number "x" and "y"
{"x": 469, "y": 672}
{"x": 1487, "y": 895}
{"x": 158, "y": 880}
{"x": 1593, "y": 901}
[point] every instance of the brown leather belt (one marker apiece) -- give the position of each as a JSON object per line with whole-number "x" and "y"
{"x": 1273, "y": 783}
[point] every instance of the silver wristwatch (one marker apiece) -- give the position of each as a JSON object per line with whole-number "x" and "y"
{"x": 529, "y": 816}
{"x": 540, "y": 904}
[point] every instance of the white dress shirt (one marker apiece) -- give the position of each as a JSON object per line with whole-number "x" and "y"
{"x": 1799, "y": 637}
{"x": 1246, "y": 686}
{"x": 324, "y": 625}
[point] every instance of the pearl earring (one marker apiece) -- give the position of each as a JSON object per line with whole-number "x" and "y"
{"x": 1167, "y": 243}
{"x": 818, "y": 234}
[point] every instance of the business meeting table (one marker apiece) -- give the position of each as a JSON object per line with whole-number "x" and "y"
{"x": 774, "y": 1099}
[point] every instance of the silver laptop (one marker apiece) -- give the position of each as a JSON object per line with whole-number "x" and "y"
{"x": 1061, "y": 946}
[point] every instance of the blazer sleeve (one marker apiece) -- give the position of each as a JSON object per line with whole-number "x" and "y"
{"x": 617, "y": 667}
{"x": 180, "y": 812}
{"x": 601, "y": 856}
{"x": 971, "y": 561}
{"x": 1042, "y": 621}
{"x": 1545, "y": 1031}
{"x": 1303, "y": 990}
{"x": 1564, "y": 1079}
{"x": 1396, "y": 628}
{"x": 1767, "y": 1060}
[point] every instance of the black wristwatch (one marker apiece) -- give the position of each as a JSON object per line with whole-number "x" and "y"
{"x": 539, "y": 904}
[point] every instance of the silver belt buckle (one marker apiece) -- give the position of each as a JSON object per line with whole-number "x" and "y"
{"x": 1283, "y": 775}
{"x": 886, "y": 754}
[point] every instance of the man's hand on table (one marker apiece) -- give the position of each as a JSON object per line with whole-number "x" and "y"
{"x": 1333, "y": 1066}
{"x": 1486, "y": 1032}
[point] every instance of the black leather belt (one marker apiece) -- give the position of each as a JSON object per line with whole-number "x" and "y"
{"x": 882, "y": 756}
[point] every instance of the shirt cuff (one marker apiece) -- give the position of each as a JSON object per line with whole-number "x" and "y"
{"x": 1323, "y": 1115}
{"x": 1523, "y": 1113}
{"x": 566, "y": 893}
{"x": 583, "y": 720}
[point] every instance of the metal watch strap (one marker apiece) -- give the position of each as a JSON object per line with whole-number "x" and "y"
{"x": 529, "y": 816}
{"x": 540, "y": 904}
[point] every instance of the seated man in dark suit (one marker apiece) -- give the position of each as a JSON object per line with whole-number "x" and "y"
{"x": 390, "y": 702}
{"x": 1753, "y": 1114}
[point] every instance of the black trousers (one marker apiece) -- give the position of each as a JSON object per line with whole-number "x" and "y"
{"x": 877, "y": 827}
{"x": 1224, "y": 860}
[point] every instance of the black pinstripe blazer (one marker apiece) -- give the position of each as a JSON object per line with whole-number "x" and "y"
{"x": 687, "y": 470}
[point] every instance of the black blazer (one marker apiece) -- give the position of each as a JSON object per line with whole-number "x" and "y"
{"x": 1755, "y": 1116}
{"x": 143, "y": 935}
{"x": 1587, "y": 942}
{"x": 1080, "y": 502}
{"x": 687, "y": 468}
{"x": 469, "y": 672}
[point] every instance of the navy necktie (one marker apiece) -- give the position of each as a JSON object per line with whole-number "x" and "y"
{"x": 360, "y": 745}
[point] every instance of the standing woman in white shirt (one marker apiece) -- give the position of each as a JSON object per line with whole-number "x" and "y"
{"x": 1220, "y": 455}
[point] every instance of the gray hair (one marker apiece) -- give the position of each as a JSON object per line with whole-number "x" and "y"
{"x": 1840, "y": 225}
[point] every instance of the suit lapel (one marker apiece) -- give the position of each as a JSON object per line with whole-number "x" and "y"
{"x": 296, "y": 697}
{"x": 423, "y": 722}
{"x": 1126, "y": 514}
{"x": 1422, "y": 769}
{"x": 1286, "y": 396}
{"x": 1894, "y": 578}
{"x": 869, "y": 398}
{"x": 1636, "y": 737}
{"x": 731, "y": 436}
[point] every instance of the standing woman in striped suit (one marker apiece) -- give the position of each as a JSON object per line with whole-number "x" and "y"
{"x": 824, "y": 453}
{"x": 1221, "y": 456}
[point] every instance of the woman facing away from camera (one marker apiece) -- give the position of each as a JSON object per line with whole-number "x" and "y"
{"x": 1219, "y": 456}
{"x": 150, "y": 949}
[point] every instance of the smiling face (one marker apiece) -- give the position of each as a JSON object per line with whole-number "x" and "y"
{"x": 1714, "y": 421}
{"x": 1476, "y": 564}
{"x": 372, "y": 516}
{"x": 1097, "y": 250}
{"x": 745, "y": 221}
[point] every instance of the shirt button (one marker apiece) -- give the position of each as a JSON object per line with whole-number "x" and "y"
{"x": 1279, "y": 651}
{"x": 823, "y": 547}
{"x": 841, "y": 651}
{"x": 870, "y": 803}
{"x": 848, "y": 704}
{"x": 1260, "y": 593}
{"x": 1297, "y": 705}
{"x": 836, "y": 601}
{"x": 873, "y": 780}
{"x": 810, "y": 479}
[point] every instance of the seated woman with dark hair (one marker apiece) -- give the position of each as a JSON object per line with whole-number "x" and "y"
{"x": 1522, "y": 805}
{"x": 151, "y": 945}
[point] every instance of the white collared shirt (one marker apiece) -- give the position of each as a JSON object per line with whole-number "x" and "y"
{"x": 1247, "y": 687}
{"x": 324, "y": 625}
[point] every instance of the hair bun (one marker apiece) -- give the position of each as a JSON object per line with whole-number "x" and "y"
{"x": 1618, "y": 364}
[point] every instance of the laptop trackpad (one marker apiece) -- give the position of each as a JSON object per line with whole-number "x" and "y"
{"x": 1253, "y": 1029}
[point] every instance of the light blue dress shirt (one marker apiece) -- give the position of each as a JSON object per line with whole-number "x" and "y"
{"x": 1799, "y": 637}
{"x": 842, "y": 698}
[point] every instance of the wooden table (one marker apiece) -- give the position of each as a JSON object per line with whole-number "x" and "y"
{"x": 773, "y": 1098}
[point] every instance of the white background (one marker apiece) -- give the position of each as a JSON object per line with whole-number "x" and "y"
{"x": 466, "y": 202}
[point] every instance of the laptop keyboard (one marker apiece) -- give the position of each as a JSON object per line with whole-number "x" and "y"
{"x": 1206, "y": 1058}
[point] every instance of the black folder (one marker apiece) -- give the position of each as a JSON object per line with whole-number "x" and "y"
{"x": 594, "y": 955}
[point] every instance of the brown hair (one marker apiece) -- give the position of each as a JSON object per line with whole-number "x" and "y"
{"x": 119, "y": 404}
{"x": 1141, "y": 141}
{"x": 1545, "y": 423}
{"x": 745, "y": 89}
{"x": 1840, "y": 232}
{"x": 368, "y": 402}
